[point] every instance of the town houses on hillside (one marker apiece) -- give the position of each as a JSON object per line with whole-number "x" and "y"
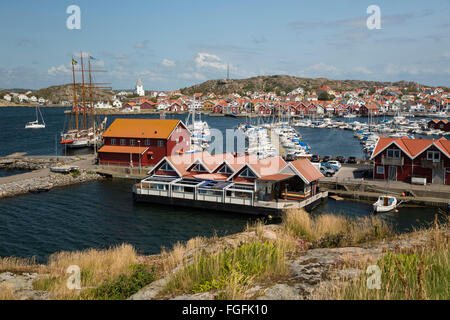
{"x": 324, "y": 101}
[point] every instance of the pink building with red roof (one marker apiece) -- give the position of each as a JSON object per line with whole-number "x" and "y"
{"x": 232, "y": 182}
{"x": 401, "y": 159}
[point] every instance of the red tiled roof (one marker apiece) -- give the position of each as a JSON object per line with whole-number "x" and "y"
{"x": 276, "y": 177}
{"x": 306, "y": 169}
{"x": 124, "y": 149}
{"x": 412, "y": 147}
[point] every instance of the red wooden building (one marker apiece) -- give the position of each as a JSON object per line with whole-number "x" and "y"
{"x": 128, "y": 142}
{"x": 441, "y": 124}
{"x": 401, "y": 159}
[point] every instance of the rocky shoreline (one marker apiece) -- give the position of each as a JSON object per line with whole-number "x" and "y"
{"x": 45, "y": 183}
{"x": 32, "y": 163}
{"x": 310, "y": 271}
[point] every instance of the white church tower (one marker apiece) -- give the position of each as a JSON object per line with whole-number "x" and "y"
{"x": 140, "y": 88}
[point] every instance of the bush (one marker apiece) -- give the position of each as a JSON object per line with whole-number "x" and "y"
{"x": 124, "y": 286}
{"x": 75, "y": 173}
{"x": 230, "y": 271}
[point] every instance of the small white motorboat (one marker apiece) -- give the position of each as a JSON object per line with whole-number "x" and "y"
{"x": 385, "y": 204}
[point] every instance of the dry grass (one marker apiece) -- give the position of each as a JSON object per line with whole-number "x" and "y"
{"x": 179, "y": 253}
{"x": 97, "y": 266}
{"x": 331, "y": 231}
{"x": 7, "y": 292}
{"x": 417, "y": 273}
{"x": 19, "y": 265}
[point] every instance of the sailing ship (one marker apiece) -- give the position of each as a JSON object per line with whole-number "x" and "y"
{"x": 35, "y": 124}
{"x": 83, "y": 130}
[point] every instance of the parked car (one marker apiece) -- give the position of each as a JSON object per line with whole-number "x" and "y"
{"x": 327, "y": 171}
{"x": 315, "y": 158}
{"x": 341, "y": 159}
{"x": 326, "y": 159}
{"x": 351, "y": 160}
{"x": 290, "y": 157}
{"x": 335, "y": 164}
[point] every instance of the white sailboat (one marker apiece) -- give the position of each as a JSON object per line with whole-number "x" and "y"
{"x": 36, "y": 124}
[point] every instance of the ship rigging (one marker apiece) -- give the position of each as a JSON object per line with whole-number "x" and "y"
{"x": 83, "y": 129}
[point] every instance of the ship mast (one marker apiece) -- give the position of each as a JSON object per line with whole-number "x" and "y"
{"x": 75, "y": 105}
{"x": 83, "y": 92}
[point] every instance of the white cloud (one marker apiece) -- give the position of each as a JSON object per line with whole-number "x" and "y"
{"x": 323, "y": 67}
{"x": 362, "y": 70}
{"x": 193, "y": 75}
{"x": 142, "y": 45}
{"x": 168, "y": 63}
{"x": 207, "y": 60}
{"x": 62, "y": 69}
{"x": 411, "y": 69}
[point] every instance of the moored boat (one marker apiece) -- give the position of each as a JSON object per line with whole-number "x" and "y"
{"x": 385, "y": 204}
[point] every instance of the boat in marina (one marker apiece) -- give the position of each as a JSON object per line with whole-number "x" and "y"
{"x": 35, "y": 124}
{"x": 200, "y": 132}
{"x": 83, "y": 129}
{"x": 385, "y": 203}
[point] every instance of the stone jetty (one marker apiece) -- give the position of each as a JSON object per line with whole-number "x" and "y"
{"x": 39, "y": 178}
{"x": 45, "y": 183}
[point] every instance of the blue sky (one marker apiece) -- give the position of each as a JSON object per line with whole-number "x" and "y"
{"x": 173, "y": 44}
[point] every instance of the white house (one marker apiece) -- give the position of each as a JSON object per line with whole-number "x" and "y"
{"x": 41, "y": 100}
{"x": 117, "y": 103}
{"x": 7, "y": 97}
{"x": 33, "y": 99}
{"x": 22, "y": 98}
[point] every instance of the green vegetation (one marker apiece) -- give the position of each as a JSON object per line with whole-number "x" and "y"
{"x": 416, "y": 274}
{"x": 123, "y": 286}
{"x": 230, "y": 271}
{"x": 75, "y": 173}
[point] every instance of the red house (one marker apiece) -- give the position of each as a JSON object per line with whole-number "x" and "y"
{"x": 401, "y": 159}
{"x": 442, "y": 124}
{"x": 128, "y": 142}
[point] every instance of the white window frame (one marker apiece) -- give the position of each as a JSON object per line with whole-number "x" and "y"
{"x": 123, "y": 142}
{"x": 132, "y": 142}
{"x": 226, "y": 170}
{"x": 160, "y": 143}
{"x": 166, "y": 167}
{"x": 394, "y": 152}
{"x": 147, "y": 142}
{"x": 380, "y": 171}
{"x": 431, "y": 156}
{"x": 113, "y": 141}
{"x": 246, "y": 175}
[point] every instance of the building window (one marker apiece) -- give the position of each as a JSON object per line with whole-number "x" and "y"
{"x": 160, "y": 143}
{"x": 166, "y": 167}
{"x": 434, "y": 156}
{"x": 147, "y": 142}
{"x": 123, "y": 142}
{"x": 393, "y": 153}
{"x": 247, "y": 173}
{"x": 380, "y": 170}
{"x": 132, "y": 142}
{"x": 226, "y": 170}
{"x": 199, "y": 168}
{"x": 113, "y": 142}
